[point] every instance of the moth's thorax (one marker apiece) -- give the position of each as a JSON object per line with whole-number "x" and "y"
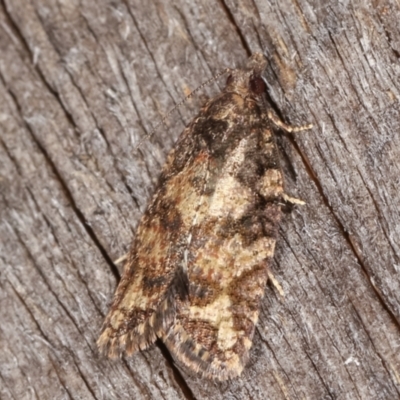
{"x": 238, "y": 109}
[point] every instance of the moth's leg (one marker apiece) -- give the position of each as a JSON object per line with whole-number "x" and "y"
{"x": 292, "y": 200}
{"x": 121, "y": 259}
{"x": 288, "y": 128}
{"x": 287, "y": 202}
{"x": 274, "y": 281}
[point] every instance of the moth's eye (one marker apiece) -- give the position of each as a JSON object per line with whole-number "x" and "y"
{"x": 257, "y": 85}
{"x": 229, "y": 79}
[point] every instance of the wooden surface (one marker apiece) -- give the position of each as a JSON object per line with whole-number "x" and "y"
{"x": 81, "y": 82}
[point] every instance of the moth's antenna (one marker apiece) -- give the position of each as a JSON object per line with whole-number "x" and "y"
{"x": 177, "y": 106}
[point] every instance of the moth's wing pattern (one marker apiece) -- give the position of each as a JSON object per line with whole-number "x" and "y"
{"x": 232, "y": 242}
{"x": 144, "y": 304}
{"x": 199, "y": 264}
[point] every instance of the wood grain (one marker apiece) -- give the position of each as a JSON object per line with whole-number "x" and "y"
{"x": 81, "y": 83}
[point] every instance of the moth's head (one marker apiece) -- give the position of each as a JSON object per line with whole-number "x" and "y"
{"x": 248, "y": 82}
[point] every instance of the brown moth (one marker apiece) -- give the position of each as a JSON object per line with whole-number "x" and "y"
{"x": 199, "y": 264}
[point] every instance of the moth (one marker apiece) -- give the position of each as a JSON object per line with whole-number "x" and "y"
{"x": 198, "y": 266}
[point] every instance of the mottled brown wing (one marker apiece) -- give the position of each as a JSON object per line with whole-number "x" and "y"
{"x": 231, "y": 243}
{"x": 144, "y": 305}
{"x": 199, "y": 264}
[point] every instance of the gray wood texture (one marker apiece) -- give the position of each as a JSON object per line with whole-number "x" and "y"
{"x": 82, "y": 82}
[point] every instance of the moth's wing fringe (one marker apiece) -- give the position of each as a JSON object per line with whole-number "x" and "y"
{"x": 113, "y": 345}
{"x": 194, "y": 357}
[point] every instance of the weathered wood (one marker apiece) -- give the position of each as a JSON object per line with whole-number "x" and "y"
{"x": 82, "y": 82}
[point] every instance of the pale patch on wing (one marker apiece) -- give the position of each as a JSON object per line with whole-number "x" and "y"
{"x": 227, "y": 335}
{"x": 230, "y": 196}
{"x": 189, "y": 194}
{"x": 214, "y": 312}
{"x": 223, "y": 261}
